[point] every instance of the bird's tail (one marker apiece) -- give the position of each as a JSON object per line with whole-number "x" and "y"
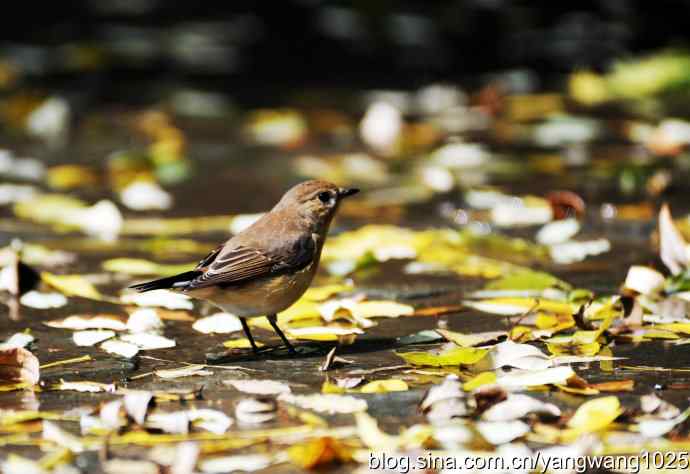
{"x": 176, "y": 281}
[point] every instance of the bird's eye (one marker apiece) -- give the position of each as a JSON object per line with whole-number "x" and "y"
{"x": 324, "y": 197}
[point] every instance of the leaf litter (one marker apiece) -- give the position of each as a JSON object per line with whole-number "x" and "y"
{"x": 528, "y": 376}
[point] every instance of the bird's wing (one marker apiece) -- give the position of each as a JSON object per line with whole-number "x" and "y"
{"x": 227, "y": 265}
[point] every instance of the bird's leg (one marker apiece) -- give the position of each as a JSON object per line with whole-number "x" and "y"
{"x": 273, "y": 320}
{"x": 248, "y": 333}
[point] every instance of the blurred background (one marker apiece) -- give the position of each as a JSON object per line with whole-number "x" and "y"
{"x": 256, "y": 49}
{"x": 145, "y": 102}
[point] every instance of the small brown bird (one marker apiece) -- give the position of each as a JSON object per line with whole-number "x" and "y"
{"x": 265, "y": 268}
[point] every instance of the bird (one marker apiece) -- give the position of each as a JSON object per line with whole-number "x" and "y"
{"x": 265, "y": 268}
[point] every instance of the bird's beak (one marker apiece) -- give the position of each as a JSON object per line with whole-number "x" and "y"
{"x": 345, "y": 192}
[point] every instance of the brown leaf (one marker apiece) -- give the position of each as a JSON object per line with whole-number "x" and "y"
{"x": 19, "y": 365}
{"x": 671, "y": 242}
{"x": 614, "y": 386}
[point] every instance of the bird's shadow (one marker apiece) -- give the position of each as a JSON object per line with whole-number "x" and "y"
{"x": 303, "y": 350}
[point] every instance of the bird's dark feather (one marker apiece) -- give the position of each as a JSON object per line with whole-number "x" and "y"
{"x": 227, "y": 266}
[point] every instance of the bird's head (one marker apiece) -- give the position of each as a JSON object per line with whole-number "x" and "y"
{"x": 315, "y": 201}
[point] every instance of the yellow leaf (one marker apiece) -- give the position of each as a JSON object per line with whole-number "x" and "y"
{"x": 586, "y": 391}
{"x": 330, "y": 387}
{"x": 139, "y": 266}
{"x": 571, "y": 348}
{"x": 469, "y": 340}
{"x": 242, "y": 343}
{"x": 454, "y": 356}
{"x": 517, "y": 306}
{"x": 65, "y": 177}
{"x": 383, "y": 386}
{"x": 683, "y": 328}
{"x": 595, "y": 415}
{"x": 484, "y": 378}
{"x": 72, "y": 285}
{"x": 318, "y": 452}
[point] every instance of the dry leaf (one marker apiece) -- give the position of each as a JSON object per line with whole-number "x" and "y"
{"x": 85, "y": 386}
{"x": 147, "y": 341}
{"x": 318, "y": 452}
{"x": 259, "y": 387}
{"x": 136, "y": 403}
{"x": 501, "y": 432}
{"x": 520, "y": 379}
{"x": 219, "y": 323}
{"x": 471, "y": 340}
{"x": 159, "y": 298}
{"x": 72, "y": 285}
{"x": 17, "y": 341}
{"x": 453, "y": 356}
{"x": 594, "y": 415}
{"x": 518, "y": 406}
{"x": 54, "y": 433}
{"x": 644, "y": 280}
{"x": 121, "y": 348}
{"x": 253, "y": 411}
{"x": 672, "y": 245}
{"x": 207, "y": 419}
{"x": 90, "y": 321}
{"x": 144, "y": 320}
{"x": 521, "y": 356}
{"x": 325, "y": 403}
{"x": 19, "y": 365}
{"x": 91, "y": 337}
{"x": 383, "y": 386}
{"x": 241, "y": 462}
{"x": 40, "y": 300}
{"x": 186, "y": 371}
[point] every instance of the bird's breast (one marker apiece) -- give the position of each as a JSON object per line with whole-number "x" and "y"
{"x": 263, "y": 296}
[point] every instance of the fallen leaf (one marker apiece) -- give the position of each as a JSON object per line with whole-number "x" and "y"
{"x": 481, "y": 379}
{"x": 448, "y": 357}
{"x": 219, "y": 323}
{"x": 254, "y": 411}
{"x": 614, "y": 386}
{"x": 147, "y": 341}
{"x": 144, "y": 320}
{"x": 242, "y": 343}
{"x": 129, "y": 466}
{"x": 471, "y": 340}
{"x": 501, "y": 432}
{"x": 595, "y": 415}
{"x": 121, "y": 348}
{"x": 159, "y": 298}
{"x": 141, "y": 267}
{"x": 40, "y": 300}
{"x": 208, "y": 419}
{"x": 672, "y": 245}
{"x": 644, "y": 280}
{"x": 91, "y": 337}
{"x": 17, "y": 341}
{"x": 444, "y": 401}
{"x": 521, "y": 356}
{"x": 85, "y": 386}
{"x": 185, "y": 371}
{"x": 19, "y": 365}
{"x": 54, "y": 433}
{"x": 72, "y": 285}
{"x": 384, "y": 386}
{"x": 318, "y": 452}
{"x": 240, "y": 462}
{"x": 136, "y": 403}
{"x": 519, "y": 379}
{"x": 325, "y": 403}
{"x": 90, "y": 321}
{"x": 518, "y": 406}
{"x": 259, "y": 387}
